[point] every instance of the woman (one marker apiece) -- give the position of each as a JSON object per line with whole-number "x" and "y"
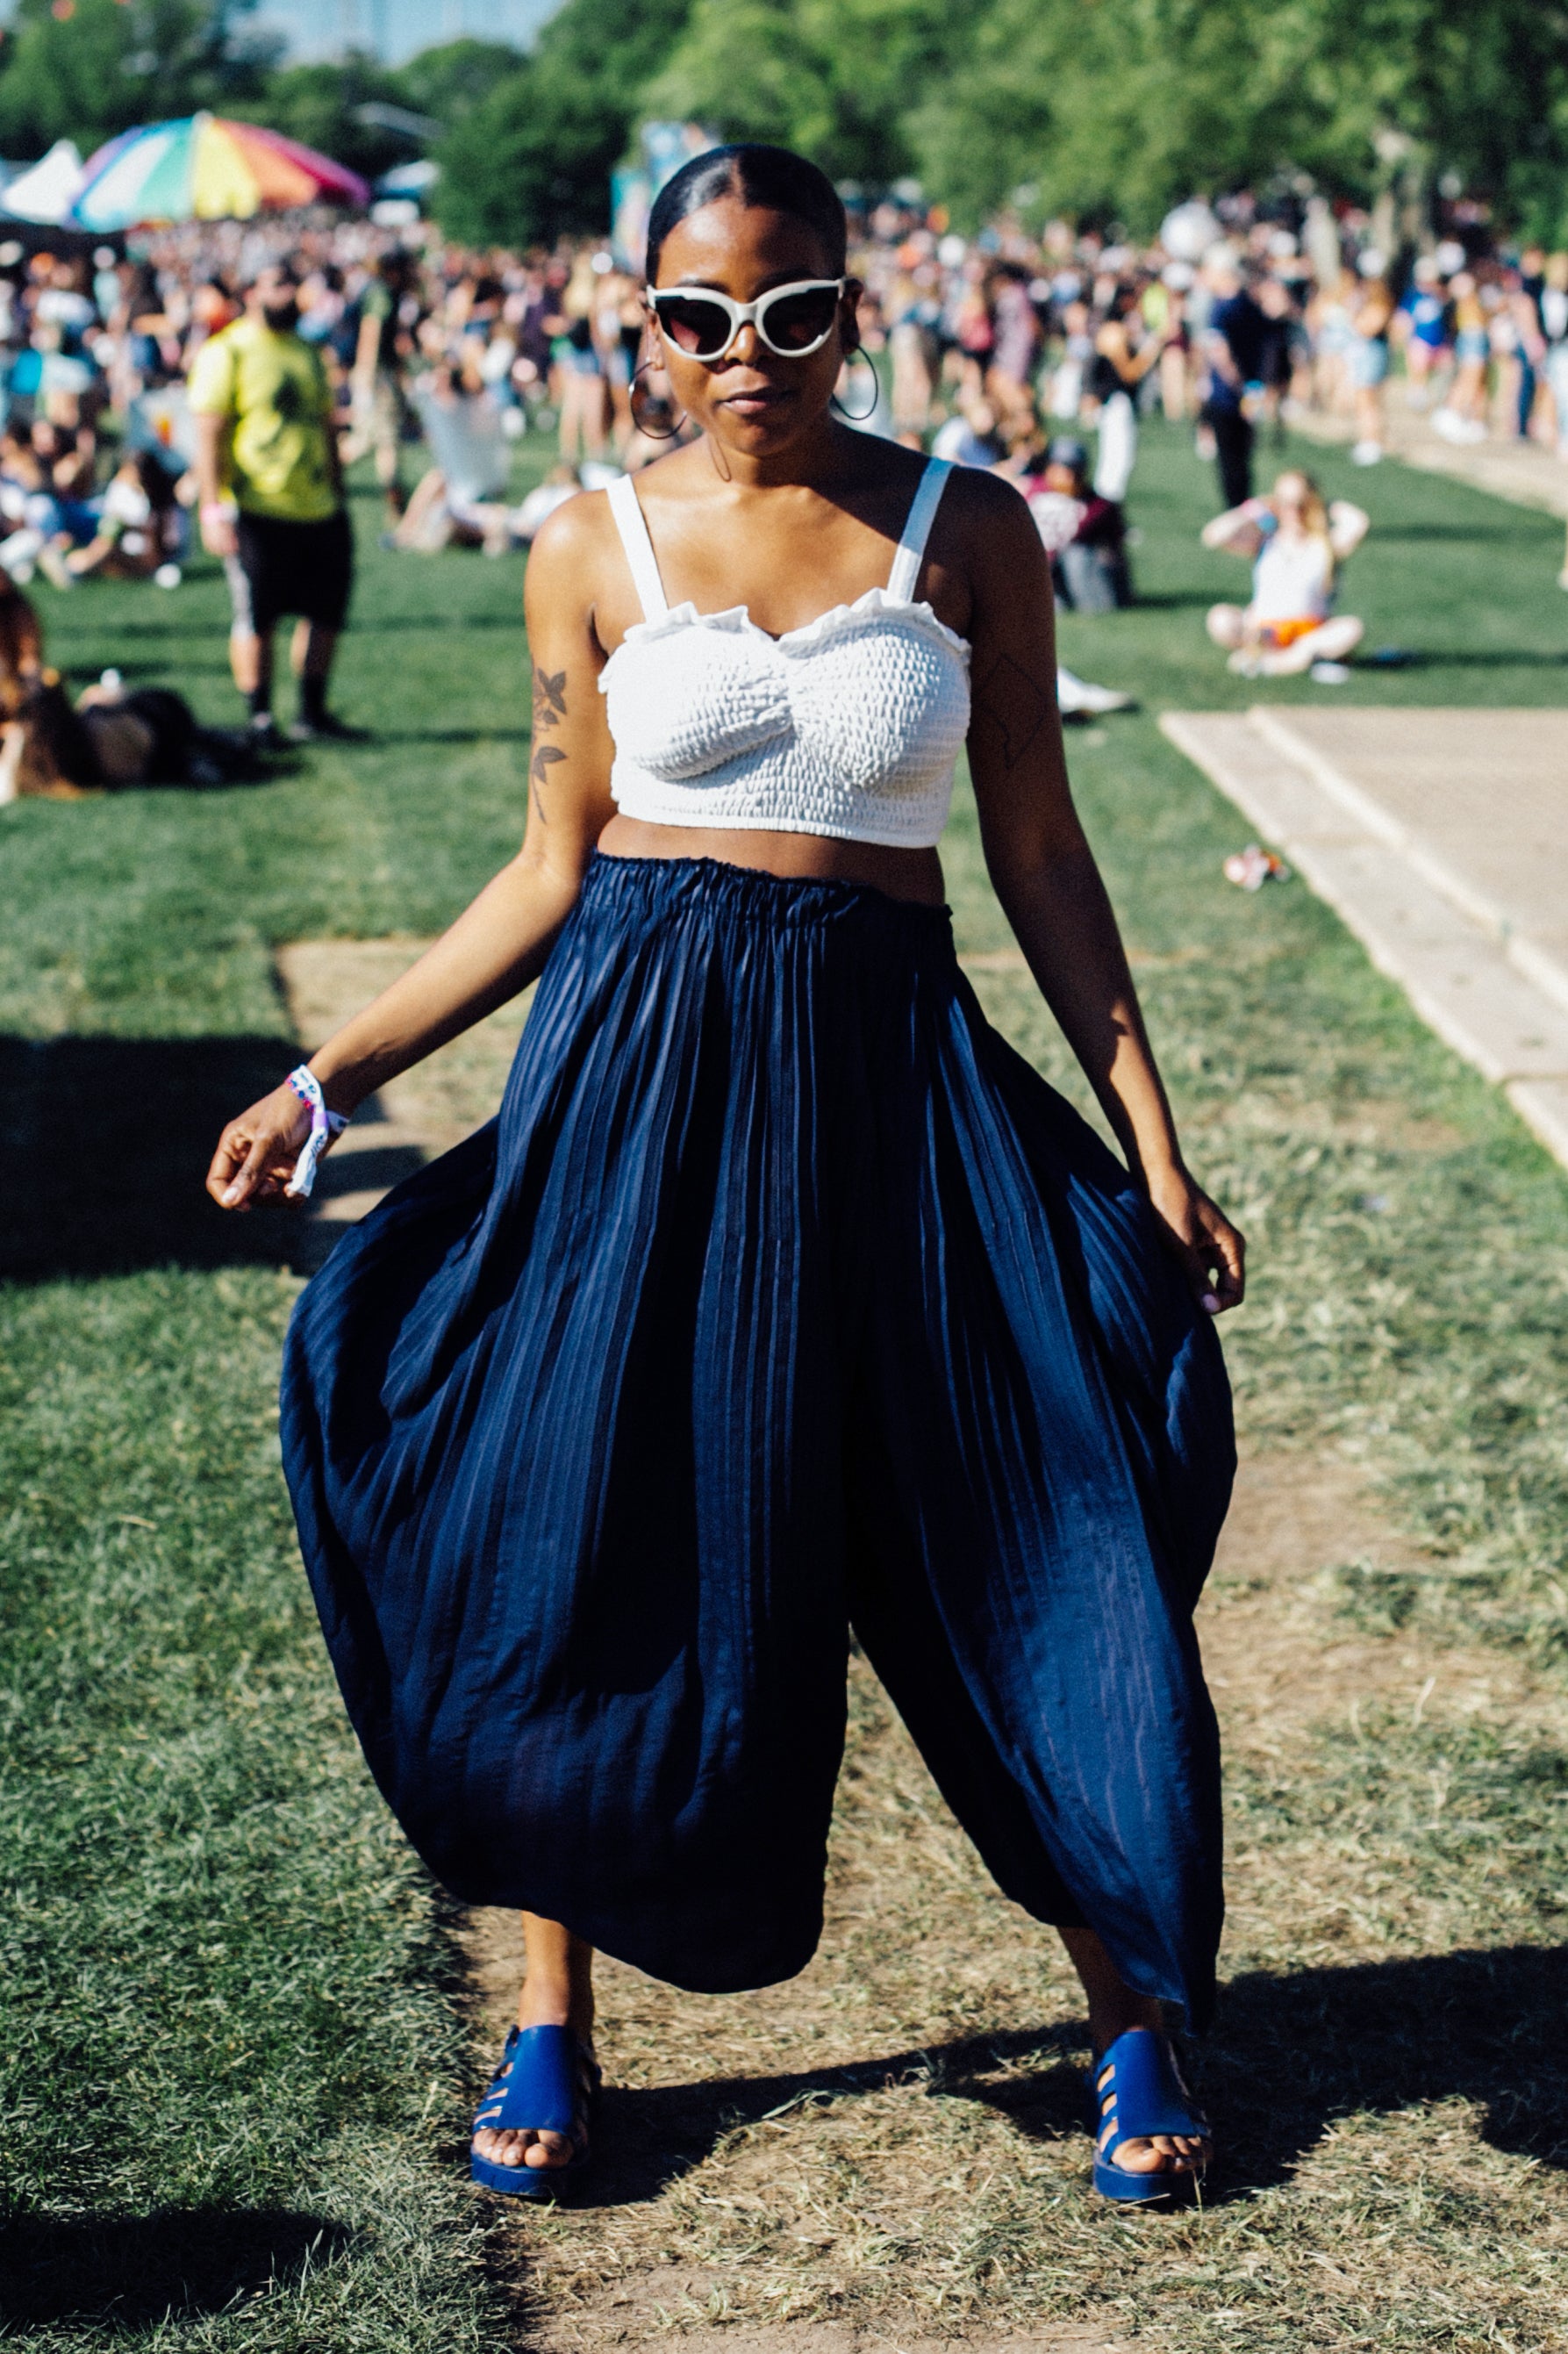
{"x": 1368, "y": 361}
{"x": 1463, "y": 415}
{"x": 579, "y": 387}
{"x": 1084, "y": 534}
{"x": 140, "y": 529}
{"x": 1116, "y": 374}
{"x": 782, "y": 1290}
{"x": 1297, "y": 545}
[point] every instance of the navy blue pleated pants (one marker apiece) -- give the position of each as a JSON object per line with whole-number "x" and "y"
{"x": 781, "y": 1296}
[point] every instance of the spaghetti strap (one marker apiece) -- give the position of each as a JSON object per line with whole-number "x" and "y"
{"x": 626, "y": 508}
{"x": 904, "y": 576}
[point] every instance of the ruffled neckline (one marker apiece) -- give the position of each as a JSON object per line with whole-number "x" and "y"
{"x": 738, "y": 621}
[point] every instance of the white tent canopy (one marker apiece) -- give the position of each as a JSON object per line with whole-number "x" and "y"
{"x": 46, "y": 191}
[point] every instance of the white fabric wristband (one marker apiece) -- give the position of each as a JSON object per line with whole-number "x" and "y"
{"x": 326, "y": 1127}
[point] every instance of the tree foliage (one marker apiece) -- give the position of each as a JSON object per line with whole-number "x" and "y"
{"x": 832, "y": 78}
{"x": 533, "y": 159}
{"x": 1111, "y": 107}
{"x": 319, "y": 103}
{"x": 106, "y": 65}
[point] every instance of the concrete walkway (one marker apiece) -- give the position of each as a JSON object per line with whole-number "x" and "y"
{"x": 1525, "y": 473}
{"x": 1441, "y": 839}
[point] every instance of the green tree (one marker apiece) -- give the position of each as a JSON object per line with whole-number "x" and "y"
{"x": 831, "y": 78}
{"x": 104, "y": 67}
{"x": 1124, "y": 106}
{"x": 318, "y": 103}
{"x": 531, "y": 161}
{"x": 449, "y": 80}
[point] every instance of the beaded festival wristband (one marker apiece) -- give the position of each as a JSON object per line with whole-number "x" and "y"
{"x": 325, "y": 1126}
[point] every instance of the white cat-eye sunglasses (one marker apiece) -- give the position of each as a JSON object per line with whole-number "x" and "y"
{"x": 793, "y": 321}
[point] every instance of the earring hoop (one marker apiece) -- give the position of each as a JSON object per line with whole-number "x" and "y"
{"x": 631, "y": 397}
{"x": 849, "y": 415}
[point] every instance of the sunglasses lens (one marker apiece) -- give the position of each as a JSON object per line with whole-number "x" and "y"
{"x": 699, "y": 328}
{"x": 798, "y": 321}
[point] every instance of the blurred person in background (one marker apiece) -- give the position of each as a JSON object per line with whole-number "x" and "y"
{"x": 1083, "y": 532}
{"x": 1116, "y": 376}
{"x": 1015, "y": 351}
{"x": 1463, "y": 416}
{"x": 111, "y": 741}
{"x": 380, "y": 406}
{"x": 1555, "y": 336}
{"x": 1421, "y": 324}
{"x": 579, "y": 369}
{"x": 1526, "y": 287}
{"x": 912, "y": 345}
{"x": 1296, "y": 544}
{"x": 1368, "y": 359}
{"x": 1234, "y": 344}
{"x": 1163, "y": 306}
{"x": 270, "y": 487}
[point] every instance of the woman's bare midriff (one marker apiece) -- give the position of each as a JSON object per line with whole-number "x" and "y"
{"x": 914, "y": 874}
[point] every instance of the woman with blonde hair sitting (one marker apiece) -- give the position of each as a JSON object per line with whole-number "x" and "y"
{"x": 1297, "y": 544}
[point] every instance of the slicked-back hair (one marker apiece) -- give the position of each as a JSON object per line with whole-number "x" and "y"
{"x": 773, "y": 179}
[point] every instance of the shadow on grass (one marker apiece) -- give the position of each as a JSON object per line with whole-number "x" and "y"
{"x": 125, "y": 2270}
{"x": 1176, "y": 601}
{"x": 381, "y": 736}
{"x": 104, "y": 1145}
{"x": 1289, "y": 2056}
{"x": 380, "y": 625}
{"x": 1475, "y": 658}
{"x": 1463, "y": 535}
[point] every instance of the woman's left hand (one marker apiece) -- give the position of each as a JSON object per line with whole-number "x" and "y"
{"x": 1197, "y": 1232}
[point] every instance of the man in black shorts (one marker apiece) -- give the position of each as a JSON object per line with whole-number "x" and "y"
{"x": 271, "y": 499}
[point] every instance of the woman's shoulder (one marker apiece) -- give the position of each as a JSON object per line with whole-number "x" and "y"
{"x": 573, "y": 555}
{"x": 575, "y": 533}
{"x": 983, "y": 507}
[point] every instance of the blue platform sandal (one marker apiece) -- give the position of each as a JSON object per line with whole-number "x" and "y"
{"x": 545, "y": 2083}
{"x": 1135, "y": 2092}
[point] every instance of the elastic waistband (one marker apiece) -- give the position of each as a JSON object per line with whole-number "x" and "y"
{"x": 713, "y": 886}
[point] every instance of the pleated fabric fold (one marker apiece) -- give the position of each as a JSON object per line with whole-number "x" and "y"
{"x": 780, "y": 1295}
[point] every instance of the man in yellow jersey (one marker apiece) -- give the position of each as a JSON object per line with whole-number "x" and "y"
{"x": 271, "y": 499}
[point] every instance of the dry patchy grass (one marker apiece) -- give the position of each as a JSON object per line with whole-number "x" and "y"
{"x": 890, "y": 2146}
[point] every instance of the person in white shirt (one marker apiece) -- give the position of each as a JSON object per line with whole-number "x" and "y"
{"x": 1296, "y": 544}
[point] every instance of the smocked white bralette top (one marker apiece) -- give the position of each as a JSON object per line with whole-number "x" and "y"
{"x": 849, "y": 726}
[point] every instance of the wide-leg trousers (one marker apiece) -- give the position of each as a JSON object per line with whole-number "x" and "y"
{"x": 780, "y": 1297}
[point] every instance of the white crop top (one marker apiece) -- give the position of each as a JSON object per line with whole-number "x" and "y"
{"x": 848, "y": 727}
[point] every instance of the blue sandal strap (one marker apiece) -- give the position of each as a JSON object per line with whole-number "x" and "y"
{"x": 1137, "y": 2090}
{"x": 545, "y": 2083}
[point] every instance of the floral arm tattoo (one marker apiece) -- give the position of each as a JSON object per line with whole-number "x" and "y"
{"x": 549, "y": 710}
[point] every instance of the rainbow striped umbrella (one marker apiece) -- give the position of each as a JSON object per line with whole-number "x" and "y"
{"x": 204, "y": 167}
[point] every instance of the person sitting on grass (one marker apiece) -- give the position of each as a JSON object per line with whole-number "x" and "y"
{"x": 1296, "y": 544}
{"x": 140, "y": 528}
{"x": 1084, "y": 536}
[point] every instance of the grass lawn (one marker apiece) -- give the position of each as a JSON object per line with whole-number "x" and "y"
{"x": 237, "y": 2029}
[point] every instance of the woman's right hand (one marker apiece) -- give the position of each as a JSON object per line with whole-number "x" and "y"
{"x": 256, "y": 1153}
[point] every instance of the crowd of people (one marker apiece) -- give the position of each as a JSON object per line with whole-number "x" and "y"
{"x": 1035, "y": 356}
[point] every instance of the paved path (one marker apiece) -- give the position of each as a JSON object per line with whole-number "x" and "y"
{"x": 1526, "y": 472}
{"x": 1441, "y": 839}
